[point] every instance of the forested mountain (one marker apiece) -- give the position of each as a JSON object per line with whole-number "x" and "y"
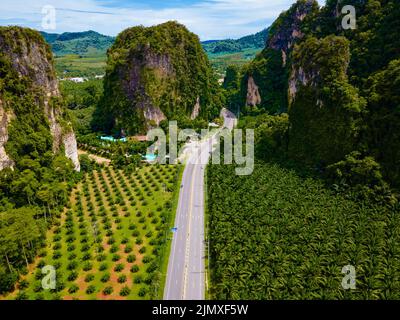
{"x": 38, "y": 150}
{"x": 80, "y": 43}
{"x": 334, "y": 83}
{"x": 254, "y": 41}
{"x": 84, "y": 53}
{"x": 154, "y": 74}
{"x": 325, "y": 106}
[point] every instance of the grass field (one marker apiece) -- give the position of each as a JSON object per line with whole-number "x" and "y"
{"x": 80, "y": 66}
{"x": 112, "y": 241}
{"x": 220, "y": 61}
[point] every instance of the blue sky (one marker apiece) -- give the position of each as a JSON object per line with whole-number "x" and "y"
{"x": 210, "y": 19}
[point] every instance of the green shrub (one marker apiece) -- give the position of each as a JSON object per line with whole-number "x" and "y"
{"x": 89, "y": 277}
{"x": 72, "y": 265}
{"x": 108, "y": 290}
{"x": 146, "y": 259}
{"x": 23, "y": 284}
{"x": 87, "y": 266}
{"x": 125, "y": 291}
{"x": 103, "y": 267}
{"x": 74, "y": 288}
{"x": 142, "y": 250}
{"x": 138, "y": 279}
{"x": 7, "y": 281}
{"x": 91, "y": 289}
{"x": 131, "y": 258}
{"x": 101, "y": 257}
{"x": 21, "y": 295}
{"x": 116, "y": 257}
{"x": 142, "y": 292}
{"x": 119, "y": 267}
{"x": 105, "y": 277}
{"x": 72, "y": 276}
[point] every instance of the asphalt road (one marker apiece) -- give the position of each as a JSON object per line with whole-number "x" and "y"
{"x": 186, "y": 271}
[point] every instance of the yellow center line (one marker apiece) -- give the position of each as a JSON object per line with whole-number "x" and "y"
{"x": 185, "y": 274}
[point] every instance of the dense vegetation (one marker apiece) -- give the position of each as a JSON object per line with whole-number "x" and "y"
{"x": 88, "y": 66}
{"x": 324, "y": 193}
{"x": 82, "y": 99}
{"x": 40, "y": 180}
{"x": 78, "y": 43}
{"x": 79, "y": 54}
{"x": 342, "y": 86}
{"x": 254, "y": 41}
{"x": 109, "y": 242}
{"x": 280, "y": 235}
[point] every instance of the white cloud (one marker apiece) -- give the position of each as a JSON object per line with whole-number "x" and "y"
{"x": 210, "y": 19}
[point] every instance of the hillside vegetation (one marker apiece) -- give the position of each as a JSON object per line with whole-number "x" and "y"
{"x": 78, "y": 43}
{"x": 341, "y": 104}
{"x": 324, "y": 104}
{"x": 36, "y": 138}
{"x": 84, "y": 54}
{"x": 154, "y": 74}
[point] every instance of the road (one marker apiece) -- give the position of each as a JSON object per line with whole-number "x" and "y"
{"x": 186, "y": 271}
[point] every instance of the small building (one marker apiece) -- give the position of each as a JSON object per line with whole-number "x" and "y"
{"x": 77, "y": 79}
{"x": 112, "y": 139}
{"x": 140, "y": 138}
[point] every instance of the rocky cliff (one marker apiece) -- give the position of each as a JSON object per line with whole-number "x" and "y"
{"x": 154, "y": 74}
{"x": 28, "y": 80}
{"x": 287, "y": 29}
{"x": 253, "y": 95}
{"x": 265, "y": 81}
{"x": 5, "y": 119}
{"x": 325, "y": 108}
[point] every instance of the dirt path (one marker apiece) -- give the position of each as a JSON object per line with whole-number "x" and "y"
{"x": 99, "y": 160}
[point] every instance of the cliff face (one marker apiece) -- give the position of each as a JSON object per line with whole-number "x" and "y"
{"x": 134, "y": 84}
{"x": 28, "y": 58}
{"x": 287, "y": 29}
{"x": 325, "y": 107}
{"x": 196, "y": 109}
{"x": 154, "y": 74}
{"x": 266, "y": 79}
{"x": 5, "y": 119}
{"x": 253, "y": 95}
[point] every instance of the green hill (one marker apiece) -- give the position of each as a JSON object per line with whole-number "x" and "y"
{"x": 254, "y": 41}
{"x": 75, "y": 51}
{"x": 79, "y": 43}
{"x": 154, "y": 74}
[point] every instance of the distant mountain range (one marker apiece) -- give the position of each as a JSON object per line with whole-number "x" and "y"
{"x": 254, "y": 41}
{"x": 93, "y": 43}
{"x": 80, "y": 43}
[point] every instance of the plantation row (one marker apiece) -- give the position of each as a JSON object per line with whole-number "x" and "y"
{"x": 274, "y": 235}
{"x": 110, "y": 242}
